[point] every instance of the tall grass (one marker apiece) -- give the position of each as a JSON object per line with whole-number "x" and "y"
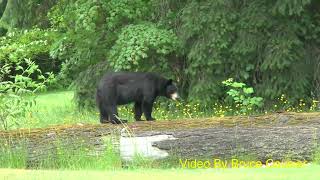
{"x": 82, "y": 159}
{"x": 59, "y": 108}
{"x": 62, "y": 157}
{"x": 70, "y": 158}
{"x": 13, "y": 156}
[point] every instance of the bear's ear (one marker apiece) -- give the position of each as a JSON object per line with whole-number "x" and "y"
{"x": 169, "y": 82}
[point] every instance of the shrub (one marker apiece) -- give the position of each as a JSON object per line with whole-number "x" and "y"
{"x": 241, "y": 94}
{"x": 13, "y": 100}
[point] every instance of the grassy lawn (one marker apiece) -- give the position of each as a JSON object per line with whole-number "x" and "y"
{"x": 57, "y": 108}
{"x": 306, "y": 173}
{"x": 54, "y": 108}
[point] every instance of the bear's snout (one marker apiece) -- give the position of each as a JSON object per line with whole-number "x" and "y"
{"x": 175, "y": 96}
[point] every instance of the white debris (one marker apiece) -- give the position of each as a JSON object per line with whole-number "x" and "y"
{"x": 142, "y": 146}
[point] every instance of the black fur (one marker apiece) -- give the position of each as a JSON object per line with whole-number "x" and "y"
{"x": 126, "y": 87}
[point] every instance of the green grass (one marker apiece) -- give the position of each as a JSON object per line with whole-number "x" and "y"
{"x": 81, "y": 156}
{"x": 82, "y": 159}
{"x": 307, "y": 173}
{"x": 13, "y": 158}
{"x": 56, "y": 108}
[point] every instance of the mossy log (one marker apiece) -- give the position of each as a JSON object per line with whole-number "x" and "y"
{"x": 277, "y": 136}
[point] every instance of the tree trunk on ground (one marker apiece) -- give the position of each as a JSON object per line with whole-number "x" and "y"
{"x": 277, "y": 136}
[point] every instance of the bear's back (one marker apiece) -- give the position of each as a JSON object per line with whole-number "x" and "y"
{"x": 123, "y": 77}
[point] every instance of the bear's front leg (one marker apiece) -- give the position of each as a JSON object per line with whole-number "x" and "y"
{"x": 113, "y": 113}
{"x": 104, "y": 117}
{"x": 104, "y": 120}
{"x": 147, "y": 110}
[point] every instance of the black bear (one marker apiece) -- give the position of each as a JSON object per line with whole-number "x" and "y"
{"x": 119, "y": 88}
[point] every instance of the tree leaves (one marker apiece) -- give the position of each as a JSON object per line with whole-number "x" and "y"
{"x": 270, "y": 45}
{"x": 137, "y": 42}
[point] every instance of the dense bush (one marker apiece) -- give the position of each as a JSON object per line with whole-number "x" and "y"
{"x": 270, "y": 46}
{"x": 86, "y": 84}
{"x": 135, "y": 45}
{"x": 111, "y": 35}
{"x": 33, "y": 44}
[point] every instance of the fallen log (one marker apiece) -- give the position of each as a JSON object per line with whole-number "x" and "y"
{"x": 276, "y": 136}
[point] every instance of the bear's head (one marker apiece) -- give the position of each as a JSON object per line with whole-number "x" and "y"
{"x": 171, "y": 90}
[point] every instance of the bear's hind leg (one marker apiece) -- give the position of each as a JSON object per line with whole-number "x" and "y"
{"x": 137, "y": 111}
{"x": 147, "y": 110}
{"x": 104, "y": 116}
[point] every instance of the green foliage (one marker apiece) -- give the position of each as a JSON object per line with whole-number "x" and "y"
{"x": 83, "y": 43}
{"x": 290, "y": 7}
{"x": 87, "y": 81}
{"x": 271, "y": 46}
{"x": 13, "y": 103}
{"x": 206, "y": 34}
{"x": 96, "y": 34}
{"x": 242, "y": 96}
{"x": 33, "y": 44}
{"x": 88, "y": 36}
{"x": 257, "y": 42}
{"x": 18, "y": 45}
{"x": 135, "y": 45}
{"x": 122, "y": 11}
{"x": 83, "y": 39}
